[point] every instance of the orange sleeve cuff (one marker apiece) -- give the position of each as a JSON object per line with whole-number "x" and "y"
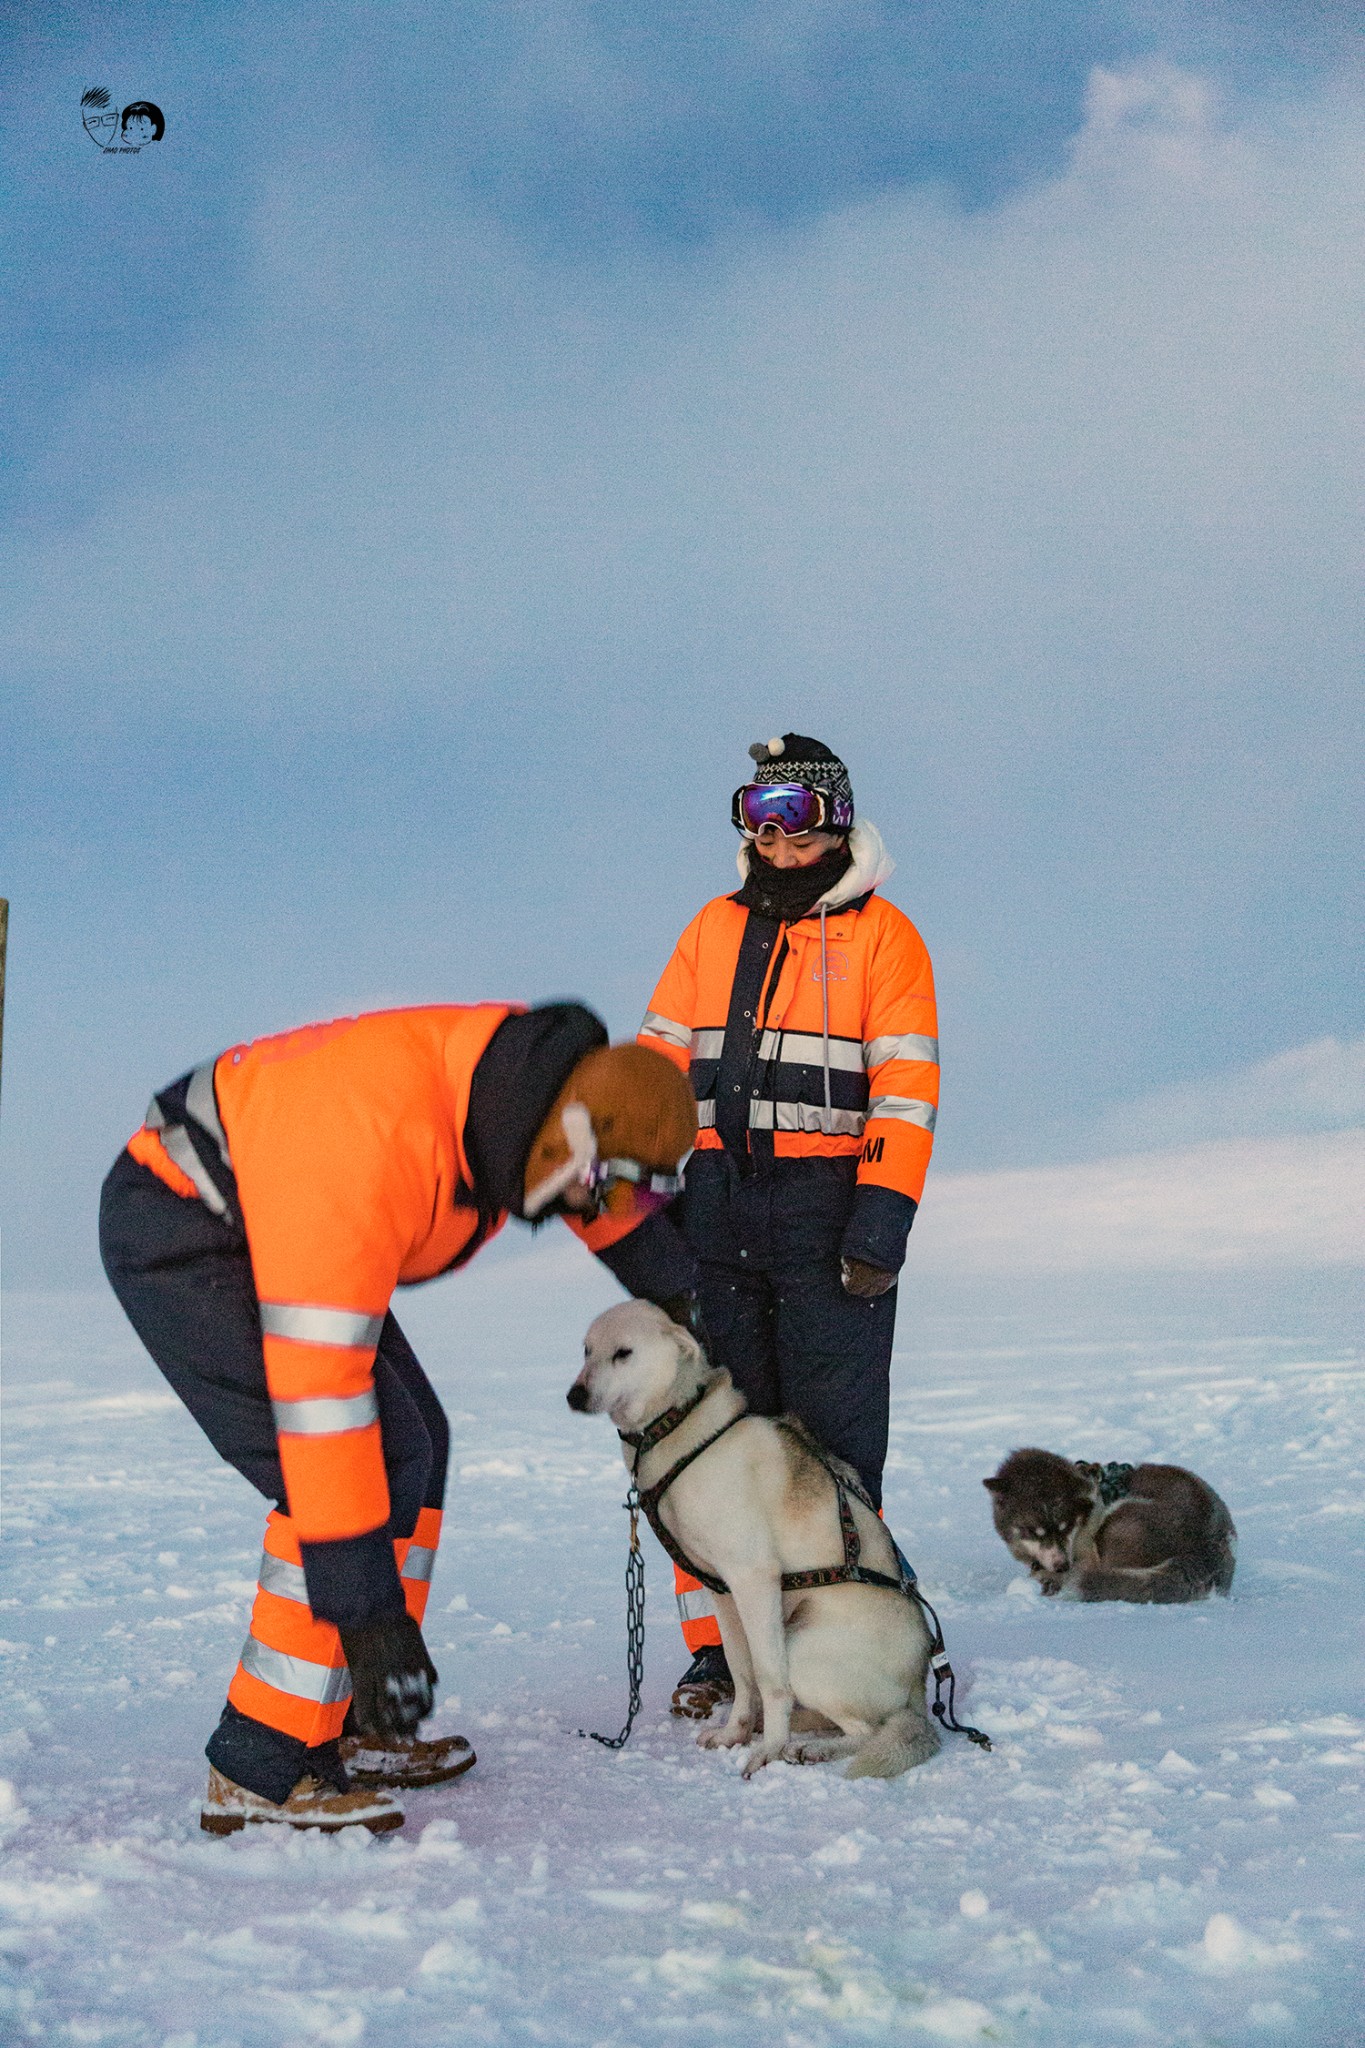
{"x": 895, "y": 1155}
{"x": 337, "y": 1485}
{"x": 604, "y": 1230}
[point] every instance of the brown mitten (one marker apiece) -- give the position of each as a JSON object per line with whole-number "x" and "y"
{"x": 867, "y": 1282}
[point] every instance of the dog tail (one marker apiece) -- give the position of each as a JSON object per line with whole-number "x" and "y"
{"x": 903, "y": 1740}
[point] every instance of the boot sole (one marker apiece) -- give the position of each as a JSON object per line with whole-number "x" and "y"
{"x": 233, "y": 1823}
{"x": 412, "y": 1781}
{"x": 697, "y": 1705}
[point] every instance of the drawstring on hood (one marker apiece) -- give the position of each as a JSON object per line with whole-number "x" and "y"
{"x": 824, "y": 1014}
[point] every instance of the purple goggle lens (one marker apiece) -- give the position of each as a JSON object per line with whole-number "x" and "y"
{"x": 791, "y": 807}
{"x": 649, "y": 1191}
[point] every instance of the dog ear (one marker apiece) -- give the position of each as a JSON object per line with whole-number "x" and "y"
{"x": 991, "y": 1485}
{"x": 689, "y": 1350}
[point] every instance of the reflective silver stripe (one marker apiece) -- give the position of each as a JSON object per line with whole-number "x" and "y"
{"x": 709, "y": 1044}
{"x": 176, "y": 1140}
{"x": 284, "y": 1580}
{"x": 325, "y": 1684}
{"x": 655, "y": 1026}
{"x": 706, "y": 1116}
{"x": 905, "y": 1109}
{"x": 806, "y": 1116}
{"x": 202, "y": 1104}
{"x": 694, "y": 1606}
{"x": 349, "y": 1329}
{"x": 908, "y": 1046}
{"x": 419, "y": 1563}
{"x": 807, "y": 1049}
{"x": 325, "y": 1416}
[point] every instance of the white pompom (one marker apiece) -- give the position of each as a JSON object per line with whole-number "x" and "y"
{"x": 775, "y": 748}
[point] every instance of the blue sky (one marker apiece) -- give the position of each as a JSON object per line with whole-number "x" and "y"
{"x": 435, "y": 461}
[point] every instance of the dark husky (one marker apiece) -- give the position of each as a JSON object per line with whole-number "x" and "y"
{"x": 1113, "y": 1532}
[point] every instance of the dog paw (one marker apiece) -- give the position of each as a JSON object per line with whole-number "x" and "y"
{"x": 759, "y": 1755}
{"x": 1048, "y": 1585}
{"x": 728, "y": 1736}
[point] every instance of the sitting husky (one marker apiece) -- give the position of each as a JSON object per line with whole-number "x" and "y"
{"x": 1113, "y": 1532}
{"x": 842, "y": 1665}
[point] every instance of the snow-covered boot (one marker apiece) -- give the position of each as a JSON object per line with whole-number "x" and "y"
{"x": 704, "y": 1684}
{"x": 406, "y": 1761}
{"x": 311, "y": 1804}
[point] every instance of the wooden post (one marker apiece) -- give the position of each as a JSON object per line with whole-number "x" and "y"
{"x": 4, "y": 940}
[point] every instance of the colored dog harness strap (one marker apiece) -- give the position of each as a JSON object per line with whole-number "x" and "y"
{"x": 851, "y": 1572}
{"x": 1114, "y": 1481}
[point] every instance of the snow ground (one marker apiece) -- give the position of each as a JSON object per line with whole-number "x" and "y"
{"x": 1164, "y": 1847}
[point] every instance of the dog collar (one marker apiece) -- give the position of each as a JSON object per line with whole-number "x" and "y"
{"x": 642, "y": 1440}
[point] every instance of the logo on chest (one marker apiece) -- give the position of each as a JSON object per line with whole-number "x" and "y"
{"x": 836, "y": 968}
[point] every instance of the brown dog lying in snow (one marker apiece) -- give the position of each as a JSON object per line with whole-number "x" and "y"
{"x": 1113, "y": 1532}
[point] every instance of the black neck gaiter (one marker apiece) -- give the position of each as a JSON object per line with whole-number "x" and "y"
{"x": 789, "y": 893}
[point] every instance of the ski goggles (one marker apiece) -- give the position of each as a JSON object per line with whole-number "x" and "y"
{"x": 623, "y": 1187}
{"x": 791, "y": 806}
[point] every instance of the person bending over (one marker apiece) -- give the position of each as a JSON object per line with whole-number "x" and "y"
{"x": 254, "y": 1231}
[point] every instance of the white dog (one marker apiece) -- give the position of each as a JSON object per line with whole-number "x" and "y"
{"x": 841, "y": 1665}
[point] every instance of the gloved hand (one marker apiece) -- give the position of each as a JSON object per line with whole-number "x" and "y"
{"x": 867, "y": 1282}
{"x": 686, "y": 1309}
{"x": 391, "y": 1675}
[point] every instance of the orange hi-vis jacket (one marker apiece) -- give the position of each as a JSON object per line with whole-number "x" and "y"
{"x": 840, "y": 1041}
{"x": 347, "y": 1144}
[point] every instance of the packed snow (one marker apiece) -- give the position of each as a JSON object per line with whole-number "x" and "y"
{"x": 1164, "y": 1845}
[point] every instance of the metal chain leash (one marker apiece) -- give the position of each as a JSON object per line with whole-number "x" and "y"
{"x": 944, "y": 1713}
{"x": 635, "y": 1624}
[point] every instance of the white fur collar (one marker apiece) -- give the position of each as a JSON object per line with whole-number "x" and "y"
{"x": 872, "y": 865}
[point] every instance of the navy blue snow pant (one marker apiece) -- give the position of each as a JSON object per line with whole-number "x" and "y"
{"x": 776, "y": 1313}
{"x": 183, "y": 1277}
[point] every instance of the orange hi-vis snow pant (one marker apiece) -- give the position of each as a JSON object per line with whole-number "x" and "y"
{"x": 696, "y": 1612}
{"x": 292, "y": 1674}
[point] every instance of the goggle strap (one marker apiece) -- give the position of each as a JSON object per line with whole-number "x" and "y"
{"x": 606, "y": 1170}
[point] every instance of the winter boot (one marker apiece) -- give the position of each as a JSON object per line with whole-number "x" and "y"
{"x": 704, "y": 1685}
{"x": 311, "y": 1804}
{"x": 406, "y": 1761}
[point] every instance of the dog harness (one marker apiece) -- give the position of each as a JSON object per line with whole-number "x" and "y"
{"x": 852, "y": 1572}
{"x": 1114, "y": 1481}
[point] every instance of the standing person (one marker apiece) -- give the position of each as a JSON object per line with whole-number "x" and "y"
{"x": 254, "y": 1231}
{"x": 802, "y": 1006}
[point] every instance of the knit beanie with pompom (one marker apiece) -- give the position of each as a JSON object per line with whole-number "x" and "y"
{"x": 794, "y": 758}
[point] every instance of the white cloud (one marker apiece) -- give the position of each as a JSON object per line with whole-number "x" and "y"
{"x": 1317, "y": 1087}
{"x": 1090, "y": 445}
{"x": 1235, "y": 1205}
